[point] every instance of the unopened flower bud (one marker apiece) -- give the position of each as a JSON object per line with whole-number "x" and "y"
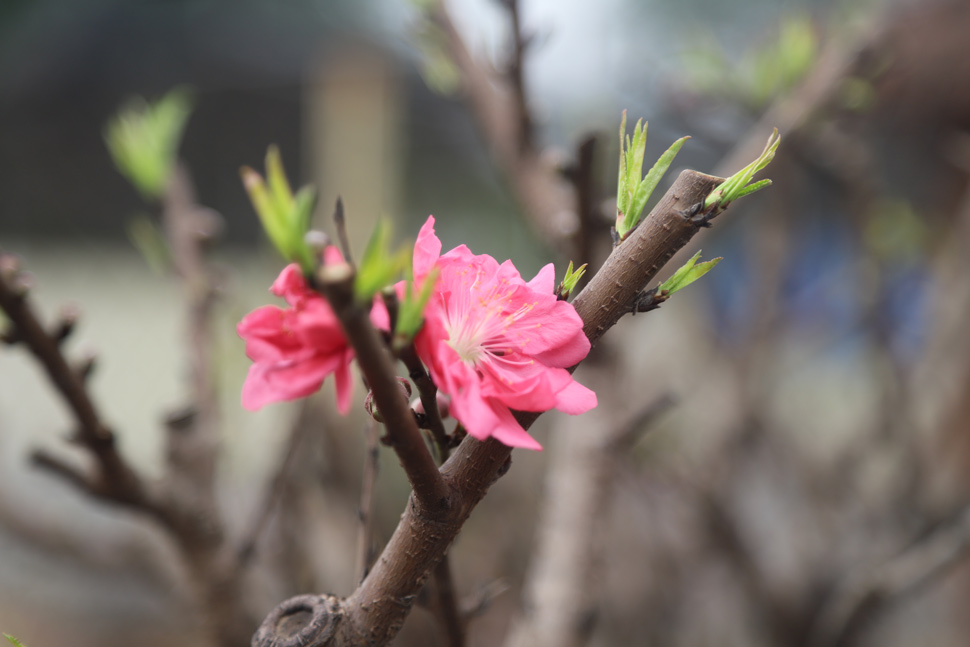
{"x": 371, "y": 408}
{"x": 317, "y": 241}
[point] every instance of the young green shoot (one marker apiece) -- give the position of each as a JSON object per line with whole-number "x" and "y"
{"x": 687, "y": 274}
{"x": 570, "y": 281}
{"x": 285, "y": 217}
{"x": 739, "y": 184}
{"x": 633, "y": 189}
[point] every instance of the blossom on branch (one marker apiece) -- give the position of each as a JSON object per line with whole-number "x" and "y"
{"x": 294, "y": 349}
{"x": 494, "y": 342}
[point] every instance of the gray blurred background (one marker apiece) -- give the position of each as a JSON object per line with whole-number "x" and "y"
{"x": 833, "y": 324}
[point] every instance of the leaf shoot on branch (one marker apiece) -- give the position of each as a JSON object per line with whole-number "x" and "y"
{"x": 285, "y": 217}
{"x": 737, "y": 186}
{"x": 687, "y": 274}
{"x": 633, "y": 189}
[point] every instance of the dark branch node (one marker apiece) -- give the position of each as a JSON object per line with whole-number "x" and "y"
{"x": 698, "y": 216}
{"x": 648, "y": 300}
{"x": 299, "y": 622}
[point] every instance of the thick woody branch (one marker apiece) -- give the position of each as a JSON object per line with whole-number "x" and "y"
{"x": 431, "y": 493}
{"x": 373, "y": 614}
{"x": 637, "y": 260}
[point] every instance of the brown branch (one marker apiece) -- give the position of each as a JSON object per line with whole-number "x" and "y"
{"x": 524, "y": 132}
{"x": 861, "y": 600}
{"x": 115, "y": 479}
{"x": 431, "y": 493}
{"x": 428, "y": 392}
{"x": 501, "y": 112}
{"x": 365, "y": 535}
{"x": 561, "y": 596}
{"x": 373, "y": 614}
{"x": 636, "y": 261}
{"x": 192, "y": 444}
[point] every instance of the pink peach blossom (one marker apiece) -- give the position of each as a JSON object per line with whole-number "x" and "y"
{"x": 294, "y": 349}
{"x": 494, "y": 342}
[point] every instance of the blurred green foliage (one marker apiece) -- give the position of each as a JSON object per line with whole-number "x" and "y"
{"x": 761, "y": 73}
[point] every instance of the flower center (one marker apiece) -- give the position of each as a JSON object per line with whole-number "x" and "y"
{"x": 477, "y": 320}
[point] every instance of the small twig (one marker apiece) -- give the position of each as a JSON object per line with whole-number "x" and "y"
{"x": 59, "y": 467}
{"x": 863, "y": 599}
{"x": 272, "y": 495}
{"x": 365, "y": 516}
{"x": 430, "y": 490}
{"x": 520, "y": 43}
{"x": 427, "y": 389}
{"x": 502, "y": 115}
{"x": 428, "y": 392}
{"x": 340, "y": 222}
{"x": 448, "y": 611}
{"x": 640, "y": 423}
{"x": 584, "y": 182}
{"x": 636, "y": 261}
{"x": 192, "y": 448}
{"x": 478, "y": 603}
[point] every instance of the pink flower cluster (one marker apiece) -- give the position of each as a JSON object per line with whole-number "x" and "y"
{"x": 491, "y": 341}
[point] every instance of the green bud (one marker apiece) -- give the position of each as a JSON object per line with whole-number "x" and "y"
{"x": 570, "y": 280}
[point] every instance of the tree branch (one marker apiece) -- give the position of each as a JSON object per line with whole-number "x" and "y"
{"x": 447, "y": 607}
{"x": 502, "y": 114}
{"x": 428, "y": 392}
{"x": 373, "y": 614}
{"x": 115, "y": 479}
{"x": 271, "y": 496}
{"x": 431, "y": 493}
{"x": 862, "y": 599}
